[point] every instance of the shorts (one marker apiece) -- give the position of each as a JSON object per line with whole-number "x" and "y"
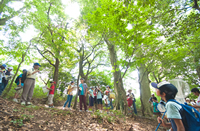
{"x": 50, "y": 99}
{"x": 99, "y": 101}
{"x": 19, "y": 91}
{"x": 91, "y": 101}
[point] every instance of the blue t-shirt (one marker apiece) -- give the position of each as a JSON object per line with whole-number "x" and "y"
{"x": 82, "y": 91}
{"x": 20, "y": 76}
{"x": 91, "y": 92}
{"x": 99, "y": 95}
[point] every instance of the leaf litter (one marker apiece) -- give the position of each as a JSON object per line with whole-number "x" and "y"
{"x": 13, "y": 116}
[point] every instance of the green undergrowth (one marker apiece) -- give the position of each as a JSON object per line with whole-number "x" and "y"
{"x": 21, "y": 120}
{"x": 110, "y": 117}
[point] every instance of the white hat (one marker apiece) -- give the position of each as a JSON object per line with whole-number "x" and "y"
{"x": 187, "y": 99}
{"x": 10, "y": 68}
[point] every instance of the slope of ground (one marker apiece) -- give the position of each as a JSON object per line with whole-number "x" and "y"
{"x": 13, "y": 116}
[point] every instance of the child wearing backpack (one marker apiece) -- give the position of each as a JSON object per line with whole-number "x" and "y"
{"x": 19, "y": 88}
{"x": 182, "y": 117}
{"x": 196, "y": 92}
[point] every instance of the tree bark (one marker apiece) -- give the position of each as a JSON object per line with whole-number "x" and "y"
{"x": 145, "y": 93}
{"x": 56, "y": 71}
{"x": 118, "y": 83}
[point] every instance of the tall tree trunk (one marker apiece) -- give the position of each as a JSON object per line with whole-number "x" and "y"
{"x": 56, "y": 71}
{"x": 118, "y": 83}
{"x": 75, "y": 101}
{"x": 145, "y": 93}
{"x": 23, "y": 56}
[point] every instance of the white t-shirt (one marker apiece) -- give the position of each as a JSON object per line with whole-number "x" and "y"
{"x": 106, "y": 99}
{"x": 198, "y": 102}
{"x": 172, "y": 109}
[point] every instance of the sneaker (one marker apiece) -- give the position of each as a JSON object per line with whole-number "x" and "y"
{"x": 15, "y": 100}
{"x": 63, "y": 108}
{"x": 23, "y": 103}
{"x": 80, "y": 110}
{"x": 29, "y": 103}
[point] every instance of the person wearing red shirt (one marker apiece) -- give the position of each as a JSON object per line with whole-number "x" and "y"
{"x": 51, "y": 94}
{"x": 130, "y": 102}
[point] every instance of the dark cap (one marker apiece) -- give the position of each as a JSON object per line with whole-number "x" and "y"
{"x": 53, "y": 82}
{"x": 24, "y": 70}
{"x": 107, "y": 86}
{"x": 71, "y": 82}
{"x": 166, "y": 87}
{"x": 82, "y": 79}
{"x": 36, "y": 64}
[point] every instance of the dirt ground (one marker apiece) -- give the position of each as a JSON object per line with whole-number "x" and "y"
{"x": 13, "y": 117}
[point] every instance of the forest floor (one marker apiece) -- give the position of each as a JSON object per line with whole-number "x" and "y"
{"x": 13, "y": 117}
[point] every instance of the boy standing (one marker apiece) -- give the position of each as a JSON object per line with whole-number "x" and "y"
{"x": 168, "y": 91}
{"x": 91, "y": 98}
{"x": 82, "y": 94}
{"x": 155, "y": 103}
{"x": 51, "y": 94}
{"x": 196, "y": 92}
{"x": 19, "y": 88}
{"x": 29, "y": 84}
{"x": 110, "y": 99}
{"x": 107, "y": 102}
{"x": 99, "y": 99}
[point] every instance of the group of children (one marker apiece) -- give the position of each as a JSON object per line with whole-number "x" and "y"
{"x": 96, "y": 96}
{"x": 165, "y": 90}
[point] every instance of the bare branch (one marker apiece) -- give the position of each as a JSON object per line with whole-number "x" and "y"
{"x": 48, "y": 12}
{"x": 92, "y": 68}
{"x": 128, "y": 65}
{"x": 155, "y": 77}
{"x": 44, "y": 56}
{"x": 49, "y": 52}
{"x": 93, "y": 48}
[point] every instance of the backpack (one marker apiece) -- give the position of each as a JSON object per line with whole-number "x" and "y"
{"x": 112, "y": 95}
{"x": 190, "y": 117}
{"x": 16, "y": 80}
{"x": 23, "y": 77}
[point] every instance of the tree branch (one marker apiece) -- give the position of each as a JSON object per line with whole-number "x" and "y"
{"x": 44, "y": 56}
{"x": 93, "y": 48}
{"x": 155, "y": 77}
{"x": 92, "y": 68}
{"x": 48, "y": 12}
{"x": 49, "y": 52}
{"x": 196, "y": 6}
{"x": 128, "y": 65}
